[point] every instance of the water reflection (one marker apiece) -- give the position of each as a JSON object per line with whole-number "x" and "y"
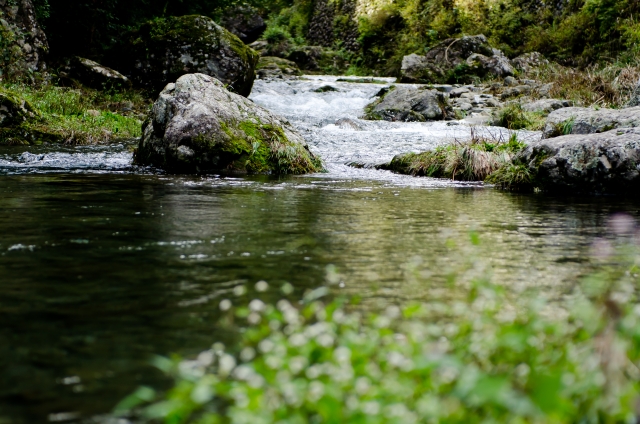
{"x": 99, "y": 272}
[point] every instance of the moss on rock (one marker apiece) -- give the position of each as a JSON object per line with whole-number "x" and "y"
{"x": 198, "y": 127}
{"x": 163, "y": 49}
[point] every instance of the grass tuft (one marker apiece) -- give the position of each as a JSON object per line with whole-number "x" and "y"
{"x": 473, "y": 160}
{"x": 514, "y": 117}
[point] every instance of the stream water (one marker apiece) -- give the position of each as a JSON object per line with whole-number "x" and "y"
{"x": 103, "y": 264}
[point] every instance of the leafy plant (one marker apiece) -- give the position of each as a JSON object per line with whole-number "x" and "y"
{"x": 487, "y": 356}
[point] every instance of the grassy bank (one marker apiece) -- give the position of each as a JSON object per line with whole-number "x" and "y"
{"x": 487, "y": 355}
{"x": 75, "y": 115}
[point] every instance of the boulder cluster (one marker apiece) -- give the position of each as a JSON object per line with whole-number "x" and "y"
{"x": 463, "y": 59}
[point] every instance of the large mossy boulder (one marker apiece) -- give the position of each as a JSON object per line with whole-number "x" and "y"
{"x": 607, "y": 162}
{"x": 409, "y": 104}
{"x": 197, "y": 126}
{"x": 582, "y": 120}
{"x": 456, "y": 60}
{"x": 162, "y": 50}
{"x": 23, "y": 44}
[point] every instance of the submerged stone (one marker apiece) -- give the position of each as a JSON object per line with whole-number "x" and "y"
{"x": 197, "y": 126}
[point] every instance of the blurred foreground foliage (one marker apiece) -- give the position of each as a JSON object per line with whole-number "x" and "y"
{"x": 487, "y": 355}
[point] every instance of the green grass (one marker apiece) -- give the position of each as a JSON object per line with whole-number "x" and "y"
{"x": 81, "y": 115}
{"x": 486, "y": 355}
{"x": 474, "y": 160}
{"x": 514, "y": 117}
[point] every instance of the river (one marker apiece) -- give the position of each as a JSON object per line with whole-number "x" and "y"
{"x": 104, "y": 264}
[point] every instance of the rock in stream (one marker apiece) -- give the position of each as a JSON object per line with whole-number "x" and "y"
{"x": 197, "y": 126}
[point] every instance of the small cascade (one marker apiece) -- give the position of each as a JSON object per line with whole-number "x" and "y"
{"x": 327, "y": 110}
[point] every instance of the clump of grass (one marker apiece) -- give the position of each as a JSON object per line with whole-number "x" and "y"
{"x": 81, "y": 115}
{"x": 611, "y": 85}
{"x": 514, "y": 117}
{"x": 488, "y": 357}
{"x": 512, "y": 177}
{"x": 473, "y": 160}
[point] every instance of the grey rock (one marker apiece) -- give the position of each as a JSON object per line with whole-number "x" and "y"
{"x": 515, "y": 91}
{"x": 496, "y": 65}
{"x": 93, "y": 74}
{"x": 439, "y": 62}
{"x": 457, "y": 92}
{"x": 270, "y": 67}
{"x": 245, "y": 22}
{"x": 196, "y": 125}
{"x": 412, "y": 68}
{"x": 545, "y": 90}
{"x": 348, "y": 124}
{"x": 492, "y": 102}
{"x": 580, "y": 120}
{"x": 529, "y": 61}
{"x": 407, "y": 103}
{"x": 465, "y": 106}
{"x": 510, "y": 81}
{"x": 162, "y": 50}
{"x": 544, "y": 105}
{"x": 607, "y": 162}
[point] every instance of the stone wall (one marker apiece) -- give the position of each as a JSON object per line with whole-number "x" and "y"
{"x": 334, "y": 23}
{"x": 23, "y": 44}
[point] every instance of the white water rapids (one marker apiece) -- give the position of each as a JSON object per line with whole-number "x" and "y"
{"x": 315, "y": 113}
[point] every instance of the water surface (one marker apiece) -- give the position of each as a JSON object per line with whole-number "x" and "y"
{"x": 103, "y": 264}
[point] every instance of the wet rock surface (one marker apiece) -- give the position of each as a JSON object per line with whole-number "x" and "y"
{"x": 197, "y": 126}
{"x": 162, "y": 50}
{"x": 607, "y": 162}
{"x": 92, "y": 74}
{"x": 579, "y": 120}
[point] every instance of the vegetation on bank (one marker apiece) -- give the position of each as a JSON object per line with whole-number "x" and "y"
{"x": 574, "y": 33}
{"x": 76, "y": 115}
{"x": 514, "y": 117}
{"x": 474, "y": 160}
{"x": 484, "y": 354}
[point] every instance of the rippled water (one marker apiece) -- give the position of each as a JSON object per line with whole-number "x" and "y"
{"x": 103, "y": 264}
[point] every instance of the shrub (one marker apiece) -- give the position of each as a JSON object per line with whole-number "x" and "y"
{"x": 486, "y": 356}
